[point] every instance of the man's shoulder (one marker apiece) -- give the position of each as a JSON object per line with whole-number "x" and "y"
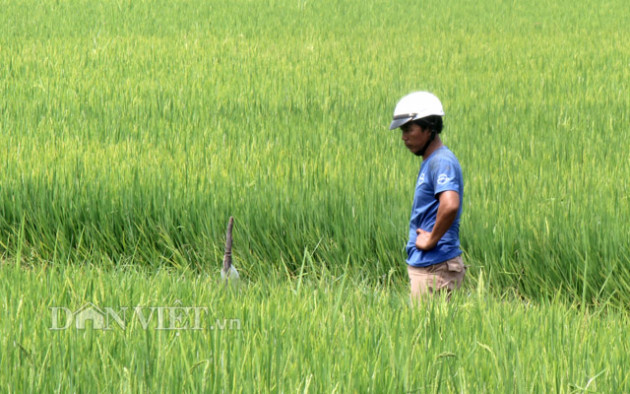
{"x": 443, "y": 156}
{"x": 445, "y": 152}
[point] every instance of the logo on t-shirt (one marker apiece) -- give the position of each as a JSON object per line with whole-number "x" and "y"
{"x": 442, "y": 179}
{"x": 420, "y": 179}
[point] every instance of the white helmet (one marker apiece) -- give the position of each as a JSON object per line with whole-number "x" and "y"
{"x": 416, "y": 106}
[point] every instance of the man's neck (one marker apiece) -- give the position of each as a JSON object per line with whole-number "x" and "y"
{"x": 435, "y": 145}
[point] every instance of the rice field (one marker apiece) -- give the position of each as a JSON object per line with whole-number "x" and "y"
{"x": 131, "y": 130}
{"x": 324, "y": 333}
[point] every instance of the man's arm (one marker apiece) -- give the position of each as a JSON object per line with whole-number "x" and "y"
{"x": 446, "y": 214}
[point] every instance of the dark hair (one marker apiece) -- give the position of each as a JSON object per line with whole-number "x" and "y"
{"x": 432, "y": 122}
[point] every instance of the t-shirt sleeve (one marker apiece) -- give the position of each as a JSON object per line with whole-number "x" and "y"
{"x": 445, "y": 177}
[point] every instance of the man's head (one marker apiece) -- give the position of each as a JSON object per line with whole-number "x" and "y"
{"x": 419, "y": 116}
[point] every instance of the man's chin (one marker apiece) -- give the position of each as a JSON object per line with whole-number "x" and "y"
{"x": 415, "y": 152}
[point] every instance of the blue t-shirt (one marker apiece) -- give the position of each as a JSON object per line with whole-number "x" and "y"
{"x": 439, "y": 172}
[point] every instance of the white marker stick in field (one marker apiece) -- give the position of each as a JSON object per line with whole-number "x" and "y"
{"x": 229, "y": 271}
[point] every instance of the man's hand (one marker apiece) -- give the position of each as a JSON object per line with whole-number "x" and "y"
{"x": 424, "y": 240}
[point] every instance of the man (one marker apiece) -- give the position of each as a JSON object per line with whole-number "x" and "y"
{"x": 434, "y": 260}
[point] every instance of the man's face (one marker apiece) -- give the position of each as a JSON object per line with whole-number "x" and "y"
{"x": 414, "y": 137}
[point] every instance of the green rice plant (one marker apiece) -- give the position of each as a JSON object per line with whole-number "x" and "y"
{"x": 320, "y": 333}
{"x": 131, "y": 131}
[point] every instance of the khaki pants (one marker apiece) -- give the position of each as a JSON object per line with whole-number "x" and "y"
{"x": 437, "y": 278}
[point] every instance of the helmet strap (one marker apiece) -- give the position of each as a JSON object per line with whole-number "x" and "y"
{"x": 426, "y": 146}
